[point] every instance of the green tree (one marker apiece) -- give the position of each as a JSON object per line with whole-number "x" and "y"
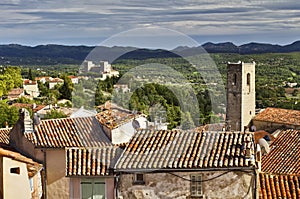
{"x": 53, "y": 114}
{"x": 8, "y": 114}
{"x": 66, "y": 89}
{"x": 30, "y": 75}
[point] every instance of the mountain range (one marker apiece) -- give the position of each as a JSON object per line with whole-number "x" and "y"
{"x": 16, "y": 54}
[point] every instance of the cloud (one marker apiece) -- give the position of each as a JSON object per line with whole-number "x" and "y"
{"x": 100, "y": 19}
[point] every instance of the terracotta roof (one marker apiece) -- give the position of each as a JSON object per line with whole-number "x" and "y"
{"x": 4, "y": 135}
{"x": 186, "y": 150}
{"x": 15, "y": 92}
{"x": 278, "y": 115}
{"x": 68, "y": 132}
{"x": 29, "y": 82}
{"x": 32, "y": 166}
{"x": 24, "y": 105}
{"x": 284, "y": 157}
{"x": 114, "y": 117}
{"x": 91, "y": 161}
{"x": 279, "y": 186}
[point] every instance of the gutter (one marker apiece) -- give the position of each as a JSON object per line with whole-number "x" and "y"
{"x": 159, "y": 170}
{"x": 45, "y": 174}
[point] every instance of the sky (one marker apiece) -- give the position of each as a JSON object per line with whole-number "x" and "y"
{"x": 91, "y": 22}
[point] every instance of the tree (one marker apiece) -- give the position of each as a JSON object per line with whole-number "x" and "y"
{"x": 187, "y": 121}
{"x": 8, "y": 114}
{"x": 66, "y": 89}
{"x": 30, "y": 75}
{"x": 99, "y": 96}
{"x": 53, "y": 114}
{"x": 10, "y": 77}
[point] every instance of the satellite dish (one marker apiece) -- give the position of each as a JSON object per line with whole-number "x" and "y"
{"x": 264, "y": 145}
{"x": 136, "y": 124}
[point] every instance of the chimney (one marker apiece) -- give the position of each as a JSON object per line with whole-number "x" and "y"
{"x": 6, "y": 124}
{"x": 27, "y": 121}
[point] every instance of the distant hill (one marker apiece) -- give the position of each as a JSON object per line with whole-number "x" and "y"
{"x": 15, "y": 54}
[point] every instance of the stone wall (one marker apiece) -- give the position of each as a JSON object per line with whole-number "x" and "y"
{"x": 232, "y": 185}
{"x": 58, "y": 186}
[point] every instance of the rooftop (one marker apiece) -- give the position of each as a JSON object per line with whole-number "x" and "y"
{"x": 16, "y": 92}
{"x": 284, "y": 157}
{"x": 32, "y": 166}
{"x": 279, "y": 186}
{"x": 35, "y": 108}
{"x": 4, "y": 135}
{"x": 279, "y": 115}
{"x": 114, "y": 116}
{"x": 91, "y": 161}
{"x": 166, "y": 149}
{"x": 68, "y": 132}
{"x": 29, "y": 82}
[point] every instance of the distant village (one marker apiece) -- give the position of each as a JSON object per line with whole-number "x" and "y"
{"x": 116, "y": 153}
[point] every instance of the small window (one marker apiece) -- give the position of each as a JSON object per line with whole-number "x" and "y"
{"x": 139, "y": 179}
{"x": 196, "y": 185}
{"x": 248, "y": 79}
{"x": 15, "y": 170}
{"x": 248, "y": 82}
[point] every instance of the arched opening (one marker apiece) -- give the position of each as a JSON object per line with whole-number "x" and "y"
{"x": 248, "y": 81}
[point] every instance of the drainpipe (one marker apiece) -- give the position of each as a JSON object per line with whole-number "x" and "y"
{"x": 45, "y": 174}
{"x": 117, "y": 179}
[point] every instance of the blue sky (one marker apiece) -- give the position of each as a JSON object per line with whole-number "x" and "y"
{"x": 89, "y": 22}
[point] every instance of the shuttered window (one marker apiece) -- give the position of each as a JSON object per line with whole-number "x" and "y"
{"x": 196, "y": 185}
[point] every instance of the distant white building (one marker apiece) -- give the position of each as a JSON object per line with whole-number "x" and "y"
{"x": 51, "y": 80}
{"x": 103, "y": 68}
{"x": 74, "y": 79}
{"x": 31, "y": 87}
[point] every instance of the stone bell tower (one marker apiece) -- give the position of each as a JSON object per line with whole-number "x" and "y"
{"x": 240, "y": 95}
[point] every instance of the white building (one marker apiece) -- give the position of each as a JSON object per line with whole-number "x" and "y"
{"x": 31, "y": 87}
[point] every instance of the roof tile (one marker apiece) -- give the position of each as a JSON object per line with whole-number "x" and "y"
{"x": 279, "y": 186}
{"x": 279, "y": 115}
{"x": 91, "y": 161}
{"x": 4, "y": 135}
{"x": 186, "y": 150}
{"x": 68, "y": 132}
{"x": 284, "y": 157}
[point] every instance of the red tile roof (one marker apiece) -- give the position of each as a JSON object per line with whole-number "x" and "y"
{"x": 29, "y": 82}
{"x": 278, "y": 115}
{"x": 186, "y": 150}
{"x": 284, "y": 157}
{"x": 4, "y": 135}
{"x": 279, "y": 186}
{"x": 91, "y": 161}
{"x": 16, "y": 92}
{"x": 24, "y": 105}
{"x": 68, "y": 132}
{"x": 114, "y": 117}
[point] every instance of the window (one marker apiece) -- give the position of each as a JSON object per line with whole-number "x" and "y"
{"x": 248, "y": 82}
{"x": 15, "y": 170}
{"x": 92, "y": 189}
{"x": 196, "y": 185}
{"x": 139, "y": 179}
{"x": 248, "y": 79}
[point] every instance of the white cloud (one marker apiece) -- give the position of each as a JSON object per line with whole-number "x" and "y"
{"x": 93, "y": 18}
